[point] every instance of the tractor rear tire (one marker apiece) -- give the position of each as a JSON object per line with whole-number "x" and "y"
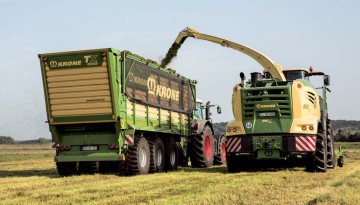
{"x": 157, "y": 151}
{"x": 220, "y": 158}
{"x": 171, "y": 156}
{"x": 203, "y": 149}
{"x": 138, "y": 157}
{"x": 66, "y": 169}
{"x": 331, "y": 159}
{"x": 318, "y": 162}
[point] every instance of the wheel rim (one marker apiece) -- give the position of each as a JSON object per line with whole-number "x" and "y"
{"x": 223, "y": 152}
{"x": 158, "y": 157}
{"x": 172, "y": 157}
{"x": 142, "y": 157}
{"x": 208, "y": 147}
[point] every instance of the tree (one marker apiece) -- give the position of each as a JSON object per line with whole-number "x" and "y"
{"x": 6, "y": 140}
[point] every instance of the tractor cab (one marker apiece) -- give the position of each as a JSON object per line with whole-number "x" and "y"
{"x": 295, "y": 74}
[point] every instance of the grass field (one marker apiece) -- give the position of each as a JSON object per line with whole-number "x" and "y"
{"x": 28, "y": 176}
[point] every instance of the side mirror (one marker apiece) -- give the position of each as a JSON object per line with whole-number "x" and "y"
{"x": 218, "y": 109}
{"x": 327, "y": 80}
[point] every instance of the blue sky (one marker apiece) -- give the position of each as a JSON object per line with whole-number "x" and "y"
{"x": 322, "y": 34}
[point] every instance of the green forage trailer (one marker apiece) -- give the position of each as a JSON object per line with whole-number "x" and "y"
{"x": 112, "y": 111}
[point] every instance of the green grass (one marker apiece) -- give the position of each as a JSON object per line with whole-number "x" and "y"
{"x": 34, "y": 180}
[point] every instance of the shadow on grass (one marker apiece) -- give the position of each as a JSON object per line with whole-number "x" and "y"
{"x": 259, "y": 166}
{"x": 51, "y": 173}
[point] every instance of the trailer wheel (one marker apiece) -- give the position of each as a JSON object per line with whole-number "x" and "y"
{"x": 317, "y": 162}
{"x": 66, "y": 169}
{"x": 157, "y": 151}
{"x": 220, "y": 158}
{"x": 203, "y": 149}
{"x": 87, "y": 167}
{"x": 331, "y": 161}
{"x": 171, "y": 156}
{"x": 107, "y": 167}
{"x": 138, "y": 157}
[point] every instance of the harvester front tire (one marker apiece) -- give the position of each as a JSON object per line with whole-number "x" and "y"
{"x": 171, "y": 156}
{"x": 66, "y": 169}
{"x": 331, "y": 159}
{"x": 318, "y": 161}
{"x": 203, "y": 149}
{"x": 138, "y": 157}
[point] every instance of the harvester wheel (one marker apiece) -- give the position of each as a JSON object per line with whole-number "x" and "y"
{"x": 203, "y": 149}
{"x": 331, "y": 160}
{"x": 157, "y": 151}
{"x": 171, "y": 156}
{"x": 106, "y": 167}
{"x": 66, "y": 169}
{"x": 317, "y": 162}
{"x": 220, "y": 158}
{"x": 138, "y": 157}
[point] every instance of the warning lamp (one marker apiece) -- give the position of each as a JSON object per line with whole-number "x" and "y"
{"x": 228, "y": 130}
{"x": 311, "y": 127}
{"x": 44, "y": 59}
{"x": 303, "y": 128}
{"x": 234, "y": 129}
{"x": 62, "y": 148}
{"x": 67, "y": 148}
{"x": 111, "y": 146}
{"x": 299, "y": 85}
{"x": 103, "y": 54}
{"x": 116, "y": 147}
{"x": 311, "y": 69}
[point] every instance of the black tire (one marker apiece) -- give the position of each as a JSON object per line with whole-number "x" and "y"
{"x": 171, "y": 156}
{"x": 138, "y": 157}
{"x": 107, "y": 167}
{"x": 202, "y": 154}
{"x": 157, "y": 158}
{"x": 220, "y": 158}
{"x": 340, "y": 161}
{"x": 331, "y": 159}
{"x": 66, "y": 169}
{"x": 318, "y": 162}
{"x": 236, "y": 163}
{"x": 87, "y": 167}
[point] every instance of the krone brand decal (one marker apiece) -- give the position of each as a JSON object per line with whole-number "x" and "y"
{"x": 248, "y": 125}
{"x": 55, "y": 64}
{"x": 162, "y": 91}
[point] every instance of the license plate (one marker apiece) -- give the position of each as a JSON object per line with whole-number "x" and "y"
{"x": 89, "y": 148}
{"x": 266, "y": 114}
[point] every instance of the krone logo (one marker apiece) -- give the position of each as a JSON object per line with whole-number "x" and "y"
{"x": 53, "y": 63}
{"x": 91, "y": 60}
{"x": 259, "y": 106}
{"x": 151, "y": 83}
{"x": 248, "y": 125}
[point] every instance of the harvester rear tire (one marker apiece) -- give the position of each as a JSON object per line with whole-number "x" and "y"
{"x": 317, "y": 162}
{"x": 220, "y": 158}
{"x": 171, "y": 156}
{"x": 66, "y": 169}
{"x": 157, "y": 151}
{"x": 202, "y": 154}
{"x": 138, "y": 157}
{"x": 331, "y": 159}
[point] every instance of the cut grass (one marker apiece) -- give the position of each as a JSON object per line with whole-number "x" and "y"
{"x": 36, "y": 181}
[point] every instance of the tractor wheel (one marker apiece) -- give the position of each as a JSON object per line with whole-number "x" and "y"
{"x": 317, "y": 162}
{"x": 138, "y": 157}
{"x": 203, "y": 149}
{"x": 220, "y": 158}
{"x": 237, "y": 164}
{"x": 87, "y": 167}
{"x": 331, "y": 162}
{"x": 66, "y": 169}
{"x": 157, "y": 151}
{"x": 171, "y": 156}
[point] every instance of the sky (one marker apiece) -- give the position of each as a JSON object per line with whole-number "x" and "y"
{"x": 321, "y": 34}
